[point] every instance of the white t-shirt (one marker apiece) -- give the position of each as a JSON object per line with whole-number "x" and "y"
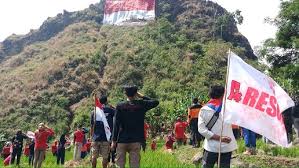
{"x": 210, "y": 145}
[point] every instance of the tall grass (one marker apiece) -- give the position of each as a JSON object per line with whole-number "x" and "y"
{"x": 153, "y": 159}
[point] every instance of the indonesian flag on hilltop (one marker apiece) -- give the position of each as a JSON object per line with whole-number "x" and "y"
{"x": 255, "y": 101}
{"x": 118, "y": 12}
{"x": 100, "y": 116}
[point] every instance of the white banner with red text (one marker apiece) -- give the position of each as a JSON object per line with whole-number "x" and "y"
{"x": 255, "y": 101}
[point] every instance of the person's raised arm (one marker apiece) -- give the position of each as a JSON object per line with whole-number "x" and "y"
{"x": 149, "y": 103}
{"x": 50, "y": 131}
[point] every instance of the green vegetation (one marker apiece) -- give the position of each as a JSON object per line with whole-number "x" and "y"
{"x": 283, "y": 51}
{"x": 182, "y": 157}
{"x": 149, "y": 159}
{"x": 173, "y": 59}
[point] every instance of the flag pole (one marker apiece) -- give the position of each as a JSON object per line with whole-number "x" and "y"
{"x": 224, "y": 109}
{"x": 94, "y": 123}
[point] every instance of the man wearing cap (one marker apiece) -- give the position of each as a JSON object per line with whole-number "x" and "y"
{"x": 41, "y": 137}
{"x": 128, "y": 127}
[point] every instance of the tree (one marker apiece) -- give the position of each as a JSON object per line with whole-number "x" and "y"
{"x": 282, "y": 52}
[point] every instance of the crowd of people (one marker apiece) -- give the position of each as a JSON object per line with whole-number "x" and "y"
{"x": 116, "y": 131}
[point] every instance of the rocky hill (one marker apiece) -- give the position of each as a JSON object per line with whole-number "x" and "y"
{"x": 49, "y": 74}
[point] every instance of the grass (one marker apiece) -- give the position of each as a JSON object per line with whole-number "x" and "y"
{"x": 269, "y": 156}
{"x": 158, "y": 158}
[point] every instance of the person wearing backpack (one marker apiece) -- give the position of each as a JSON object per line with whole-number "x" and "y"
{"x": 210, "y": 126}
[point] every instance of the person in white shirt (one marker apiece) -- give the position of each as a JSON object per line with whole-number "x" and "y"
{"x": 212, "y": 131}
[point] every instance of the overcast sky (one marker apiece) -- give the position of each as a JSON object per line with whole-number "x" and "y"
{"x": 19, "y": 16}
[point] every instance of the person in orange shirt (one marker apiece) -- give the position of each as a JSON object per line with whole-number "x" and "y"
{"x": 193, "y": 112}
{"x": 179, "y": 129}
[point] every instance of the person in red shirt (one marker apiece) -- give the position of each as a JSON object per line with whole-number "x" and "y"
{"x": 54, "y": 148}
{"x": 170, "y": 139}
{"x": 154, "y": 145}
{"x": 145, "y": 127}
{"x": 78, "y": 142}
{"x": 88, "y": 145}
{"x": 179, "y": 129}
{"x": 41, "y": 138}
{"x": 26, "y": 150}
{"x": 6, "y": 150}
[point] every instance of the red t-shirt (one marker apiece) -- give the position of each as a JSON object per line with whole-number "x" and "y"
{"x": 154, "y": 146}
{"x": 84, "y": 148}
{"x": 26, "y": 150}
{"x": 6, "y": 150}
{"x": 79, "y": 136}
{"x": 41, "y": 138}
{"x": 54, "y": 148}
{"x": 146, "y": 127}
{"x": 88, "y": 145}
{"x": 169, "y": 142}
{"x": 180, "y": 128}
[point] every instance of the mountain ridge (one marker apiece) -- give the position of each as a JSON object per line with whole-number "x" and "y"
{"x": 53, "y": 79}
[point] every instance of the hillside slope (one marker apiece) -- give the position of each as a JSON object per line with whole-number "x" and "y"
{"x": 49, "y": 74}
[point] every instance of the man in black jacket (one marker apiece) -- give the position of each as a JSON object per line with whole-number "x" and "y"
{"x": 128, "y": 127}
{"x": 17, "y": 142}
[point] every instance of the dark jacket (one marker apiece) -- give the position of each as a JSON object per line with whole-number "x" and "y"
{"x": 129, "y": 120}
{"x": 17, "y": 140}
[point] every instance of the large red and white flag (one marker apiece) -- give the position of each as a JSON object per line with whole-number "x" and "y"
{"x": 118, "y": 12}
{"x": 255, "y": 101}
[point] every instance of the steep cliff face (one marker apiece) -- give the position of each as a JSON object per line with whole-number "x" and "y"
{"x": 50, "y": 74}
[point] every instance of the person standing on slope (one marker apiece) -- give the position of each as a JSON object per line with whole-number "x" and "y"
{"x": 41, "y": 138}
{"x": 100, "y": 140}
{"x": 17, "y": 146}
{"x": 128, "y": 127}
{"x": 210, "y": 126}
{"x": 179, "y": 129}
{"x": 78, "y": 142}
{"x": 193, "y": 111}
